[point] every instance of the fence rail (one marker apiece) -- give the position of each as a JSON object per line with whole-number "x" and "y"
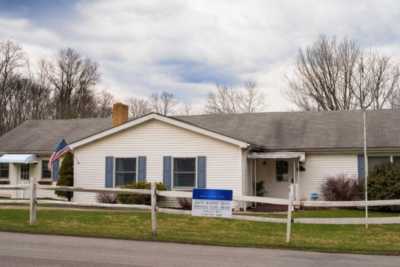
{"x": 290, "y": 202}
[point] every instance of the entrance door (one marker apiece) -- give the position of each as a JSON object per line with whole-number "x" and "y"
{"x": 23, "y": 179}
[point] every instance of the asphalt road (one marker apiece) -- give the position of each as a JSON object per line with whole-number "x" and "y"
{"x": 42, "y": 250}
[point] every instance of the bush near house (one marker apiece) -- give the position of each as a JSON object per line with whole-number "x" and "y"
{"x": 185, "y": 203}
{"x": 125, "y": 198}
{"x": 107, "y": 197}
{"x": 66, "y": 176}
{"x": 384, "y": 183}
{"x": 341, "y": 188}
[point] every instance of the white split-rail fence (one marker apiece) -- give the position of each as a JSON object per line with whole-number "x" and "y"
{"x": 33, "y": 202}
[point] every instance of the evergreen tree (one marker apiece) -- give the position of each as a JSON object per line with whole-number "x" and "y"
{"x": 66, "y": 177}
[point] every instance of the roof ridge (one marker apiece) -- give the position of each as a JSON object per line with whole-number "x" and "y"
{"x": 72, "y": 119}
{"x": 290, "y": 112}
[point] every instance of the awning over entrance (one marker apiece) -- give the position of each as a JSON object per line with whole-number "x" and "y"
{"x": 18, "y": 158}
{"x": 278, "y": 155}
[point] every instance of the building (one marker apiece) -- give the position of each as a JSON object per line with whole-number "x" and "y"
{"x": 227, "y": 151}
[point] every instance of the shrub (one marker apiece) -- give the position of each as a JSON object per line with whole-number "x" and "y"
{"x": 185, "y": 203}
{"x": 128, "y": 198}
{"x": 341, "y": 188}
{"x": 384, "y": 182}
{"x": 66, "y": 176}
{"x": 260, "y": 189}
{"x": 106, "y": 197}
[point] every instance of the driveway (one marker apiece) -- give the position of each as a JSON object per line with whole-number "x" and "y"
{"x": 47, "y": 250}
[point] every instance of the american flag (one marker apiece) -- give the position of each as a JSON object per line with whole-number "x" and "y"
{"x": 61, "y": 149}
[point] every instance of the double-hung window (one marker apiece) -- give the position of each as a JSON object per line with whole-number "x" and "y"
{"x": 282, "y": 170}
{"x": 4, "y": 171}
{"x": 46, "y": 173}
{"x": 125, "y": 171}
{"x": 184, "y": 172}
{"x": 24, "y": 175}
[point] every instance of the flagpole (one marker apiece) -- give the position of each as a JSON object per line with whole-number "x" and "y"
{"x": 365, "y": 167}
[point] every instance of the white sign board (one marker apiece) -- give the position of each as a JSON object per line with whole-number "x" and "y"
{"x": 212, "y": 203}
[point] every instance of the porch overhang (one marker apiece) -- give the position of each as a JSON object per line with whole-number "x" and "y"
{"x": 301, "y": 156}
{"x": 19, "y": 158}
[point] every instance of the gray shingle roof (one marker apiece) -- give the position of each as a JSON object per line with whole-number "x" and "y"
{"x": 40, "y": 136}
{"x": 272, "y": 130}
{"x": 306, "y": 130}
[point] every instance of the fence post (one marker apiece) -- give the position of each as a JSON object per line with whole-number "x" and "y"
{"x": 33, "y": 202}
{"x": 289, "y": 215}
{"x": 153, "y": 210}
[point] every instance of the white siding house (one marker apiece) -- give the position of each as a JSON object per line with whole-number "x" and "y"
{"x": 155, "y": 139}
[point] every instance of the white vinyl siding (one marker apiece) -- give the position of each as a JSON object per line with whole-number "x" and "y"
{"x": 155, "y": 139}
{"x": 320, "y": 167}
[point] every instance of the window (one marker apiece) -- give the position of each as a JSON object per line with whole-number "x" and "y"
{"x": 46, "y": 173}
{"x": 125, "y": 171}
{"x": 282, "y": 170}
{"x": 24, "y": 172}
{"x": 185, "y": 172}
{"x": 4, "y": 171}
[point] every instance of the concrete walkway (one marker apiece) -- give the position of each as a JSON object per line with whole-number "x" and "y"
{"x": 43, "y": 250}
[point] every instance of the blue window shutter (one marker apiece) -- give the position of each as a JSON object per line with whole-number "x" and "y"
{"x": 142, "y": 169}
{"x": 109, "y": 172}
{"x": 360, "y": 167}
{"x": 55, "y": 170}
{"x": 167, "y": 172}
{"x": 201, "y": 172}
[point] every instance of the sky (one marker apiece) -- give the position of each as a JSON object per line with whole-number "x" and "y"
{"x": 186, "y": 47}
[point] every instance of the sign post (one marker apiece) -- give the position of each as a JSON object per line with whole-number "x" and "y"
{"x": 212, "y": 203}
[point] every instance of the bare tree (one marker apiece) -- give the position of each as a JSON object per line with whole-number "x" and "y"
{"x": 138, "y": 106}
{"x": 104, "y": 102}
{"x": 73, "y": 79}
{"x": 229, "y": 100}
{"x": 163, "y": 103}
{"x": 340, "y": 76}
{"x": 187, "y": 109}
{"x": 11, "y": 59}
{"x": 251, "y": 99}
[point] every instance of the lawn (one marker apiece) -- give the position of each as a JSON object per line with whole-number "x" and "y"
{"x": 325, "y": 213}
{"x": 379, "y": 239}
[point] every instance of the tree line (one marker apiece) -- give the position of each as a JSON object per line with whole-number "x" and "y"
{"x": 339, "y": 75}
{"x": 328, "y": 75}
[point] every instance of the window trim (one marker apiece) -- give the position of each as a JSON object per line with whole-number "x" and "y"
{"x": 8, "y": 177}
{"x": 183, "y": 188}
{"x": 115, "y": 169}
{"x": 288, "y": 171}
{"x": 41, "y": 171}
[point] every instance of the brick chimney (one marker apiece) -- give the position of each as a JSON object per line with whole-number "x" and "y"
{"x": 119, "y": 114}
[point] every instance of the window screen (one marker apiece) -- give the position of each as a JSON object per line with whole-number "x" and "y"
{"x": 184, "y": 172}
{"x": 282, "y": 170}
{"x": 125, "y": 171}
{"x": 4, "y": 171}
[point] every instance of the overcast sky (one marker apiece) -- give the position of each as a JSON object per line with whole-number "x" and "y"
{"x": 186, "y": 47}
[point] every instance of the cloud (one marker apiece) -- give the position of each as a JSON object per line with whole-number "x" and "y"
{"x": 188, "y": 46}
